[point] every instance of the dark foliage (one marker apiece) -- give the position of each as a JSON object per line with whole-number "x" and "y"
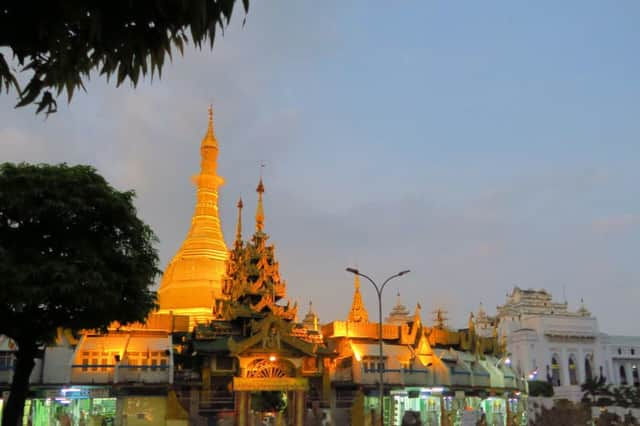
{"x": 595, "y": 390}
{"x": 563, "y": 412}
{"x": 268, "y": 401}
{"x": 58, "y": 43}
{"x": 73, "y": 255}
{"x": 540, "y": 388}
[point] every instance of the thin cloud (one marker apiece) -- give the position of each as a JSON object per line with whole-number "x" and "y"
{"x": 617, "y": 223}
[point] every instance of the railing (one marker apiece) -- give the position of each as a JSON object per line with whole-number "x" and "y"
{"x": 93, "y": 373}
{"x": 343, "y": 375}
{"x": 111, "y": 373}
{"x": 143, "y": 374}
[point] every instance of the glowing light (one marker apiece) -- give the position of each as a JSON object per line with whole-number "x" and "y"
{"x": 272, "y": 358}
{"x": 507, "y": 361}
{"x": 65, "y": 390}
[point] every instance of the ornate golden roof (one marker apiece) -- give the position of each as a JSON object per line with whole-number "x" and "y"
{"x": 310, "y": 320}
{"x": 192, "y": 280}
{"x": 252, "y": 285}
{"x": 399, "y": 313}
{"x": 358, "y": 312}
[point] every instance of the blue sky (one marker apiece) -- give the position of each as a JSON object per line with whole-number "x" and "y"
{"x": 480, "y": 144}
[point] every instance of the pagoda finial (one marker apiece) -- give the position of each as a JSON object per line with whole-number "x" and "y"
{"x": 358, "y": 312}
{"x": 209, "y": 139}
{"x": 416, "y": 315}
{"x": 239, "y": 223}
{"x": 440, "y": 318}
{"x": 260, "y": 209}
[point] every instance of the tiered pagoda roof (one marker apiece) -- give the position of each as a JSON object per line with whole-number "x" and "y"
{"x": 252, "y": 286}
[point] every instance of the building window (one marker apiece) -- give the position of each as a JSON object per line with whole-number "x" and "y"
{"x": 623, "y": 376}
{"x": 619, "y": 351}
{"x": 372, "y": 363}
{"x": 634, "y": 374}
{"x": 573, "y": 372}
{"x": 633, "y": 351}
{"x": 96, "y": 361}
{"x": 555, "y": 371}
{"x": 224, "y": 363}
{"x": 588, "y": 374}
{"x": 6, "y": 361}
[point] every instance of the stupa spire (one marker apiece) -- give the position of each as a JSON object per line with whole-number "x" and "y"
{"x": 210, "y": 137}
{"x": 416, "y": 314}
{"x": 260, "y": 208}
{"x": 192, "y": 281}
{"x": 358, "y": 312}
{"x": 239, "y": 223}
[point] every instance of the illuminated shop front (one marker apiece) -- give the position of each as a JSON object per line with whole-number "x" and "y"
{"x": 81, "y": 405}
{"x": 425, "y": 401}
{"x": 438, "y": 406}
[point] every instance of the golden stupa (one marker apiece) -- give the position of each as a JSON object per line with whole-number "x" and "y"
{"x": 192, "y": 281}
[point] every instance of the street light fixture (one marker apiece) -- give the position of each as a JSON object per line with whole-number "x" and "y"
{"x": 381, "y": 353}
{"x": 505, "y": 360}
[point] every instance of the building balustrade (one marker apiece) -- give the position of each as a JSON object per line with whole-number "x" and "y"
{"x": 115, "y": 373}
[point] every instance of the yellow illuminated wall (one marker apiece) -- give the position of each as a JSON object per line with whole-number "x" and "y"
{"x": 144, "y": 410}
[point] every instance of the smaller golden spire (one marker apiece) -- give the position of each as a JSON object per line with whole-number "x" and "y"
{"x": 416, "y": 314}
{"x": 260, "y": 209}
{"x": 358, "y": 312}
{"x": 440, "y": 318}
{"x": 239, "y": 223}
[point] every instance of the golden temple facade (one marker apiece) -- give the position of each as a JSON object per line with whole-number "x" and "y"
{"x": 192, "y": 281}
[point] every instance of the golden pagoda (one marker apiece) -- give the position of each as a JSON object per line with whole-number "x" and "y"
{"x": 358, "y": 312}
{"x": 192, "y": 281}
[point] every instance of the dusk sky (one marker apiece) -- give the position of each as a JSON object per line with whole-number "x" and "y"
{"x": 481, "y": 144}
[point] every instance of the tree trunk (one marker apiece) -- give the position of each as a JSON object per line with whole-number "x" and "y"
{"x": 12, "y": 415}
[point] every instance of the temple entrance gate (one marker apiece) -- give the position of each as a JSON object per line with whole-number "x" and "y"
{"x": 270, "y": 376}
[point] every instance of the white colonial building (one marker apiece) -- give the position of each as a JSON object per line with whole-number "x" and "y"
{"x": 548, "y": 342}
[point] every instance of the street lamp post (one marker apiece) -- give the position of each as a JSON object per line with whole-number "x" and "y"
{"x": 381, "y": 353}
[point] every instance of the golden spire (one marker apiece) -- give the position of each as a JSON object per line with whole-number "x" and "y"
{"x": 239, "y": 223}
{"x": 260, "y": 209}
{"x": 192, "y": 281}
{"x": 440, "y": 318}
{"x": 416, "y": 314}
{"x": 358, "y": 312}
{"x": 311, "y": 319}
{"x": 210, "y": 137}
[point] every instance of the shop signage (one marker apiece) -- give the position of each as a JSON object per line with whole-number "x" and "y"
{"x": 270, "y": 384}
{"x": 74, "y": 393}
